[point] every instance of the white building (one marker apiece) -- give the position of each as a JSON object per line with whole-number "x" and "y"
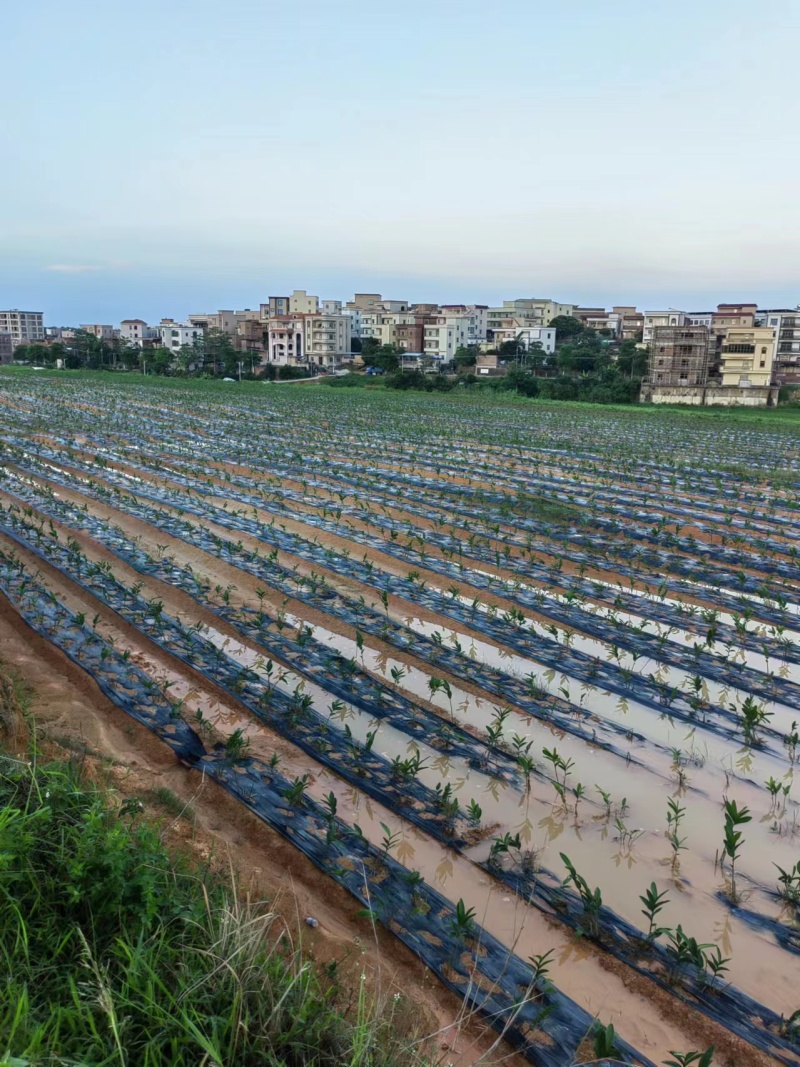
{"x": 786, "y": 324}
{"x": 285, "y": 341}
{"x": 331, "y": 307}
{"x": 24, "y": 327}
{"x": 354, "y": 314}
{"x": 327, "y": 339}
{"x": 136, "y": 331}
{"x": 443, "y": 337}
{"x": 654, "y": 319}
{"x": 543, "y": 336}
{"x": 477, "y": 315}
{"x": 175, "y": 335}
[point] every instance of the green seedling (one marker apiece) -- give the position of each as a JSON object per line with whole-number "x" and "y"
{"x": 654, "y": 902}
{"x": 732, "y": 837}
{"x": 591, "y": 899}
{"x": 691, "y": 1059}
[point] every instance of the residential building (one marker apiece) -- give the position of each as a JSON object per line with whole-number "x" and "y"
{"x": 631, "y": 323}
{"x": 226, "y": 321}
{"x": 99, "y": 330}
{"x": 354, "y": 314}
{"x": 679, "y": 356}
{"x": 726, "y": 317}
{"x": 300, "y": 303}
{"x": 24, "y": 327}
{"x": 543, "y": 337}
{"x": 137, "y": 332}
{"x": 327, "y": 339}
{"x": 593, "y": 318}
{"x": 365, "y": 301}
{"x": 443, "y": 335}
{"x": 653, "y": 320}
{"x": 276, "y": 305}
{"x": 285, "y": 342}
{"x": 746, "y": 356}
{"x": 476, "y": 313}
{"x": 252, "y": 337}
{"x": 6, "y": 348}
{"x": 175, "y": 335}
{"x": 514, "y": 314}
{"x": 523, "y": 313}
{"x": 331, "y": 307}
{"x": 699, "y": 318}
{"x": 786, "y": 323}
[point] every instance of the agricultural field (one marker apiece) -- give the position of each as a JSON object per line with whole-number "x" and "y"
{"x": 523, "y": 678}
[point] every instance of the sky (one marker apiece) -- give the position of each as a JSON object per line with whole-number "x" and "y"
{"x": 166, "y": 157}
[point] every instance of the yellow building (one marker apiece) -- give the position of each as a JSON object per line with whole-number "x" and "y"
{"x": 747, "y": 356}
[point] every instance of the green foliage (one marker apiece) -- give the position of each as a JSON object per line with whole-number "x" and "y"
{"x": 115, "y": 952}
{"x": 691, "y": 1059}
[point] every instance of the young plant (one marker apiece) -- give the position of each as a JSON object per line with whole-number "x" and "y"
{"x": 605, "y": 1041}
{"x": 591, "y": 899}
{"x": 789, "y": 883}
{"x": 732, "y": 838}
{"x": 753, "y": 716}
{"x": 654, "y": 902}
{"x": 691, "y": 1059}
{"x": 463, "y": 921}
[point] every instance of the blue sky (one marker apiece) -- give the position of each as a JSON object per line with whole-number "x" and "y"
{"x": 165, "y": 156}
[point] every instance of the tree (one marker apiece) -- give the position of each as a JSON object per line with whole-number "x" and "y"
{"x": 216, "y": 353}
{"x": 369, "y": 346}
{"x": 510, "y": 349}
{"x": 355, "y": 345}
{"x": 387, "y": 357}
{"x": 159, "y": 360}
{"x": 632, "y": 361}
{"x": 465, "y": 356}
{"x": 566, "y": 326}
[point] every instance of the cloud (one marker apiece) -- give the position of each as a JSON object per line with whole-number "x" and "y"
{"x": 71, "y": 268}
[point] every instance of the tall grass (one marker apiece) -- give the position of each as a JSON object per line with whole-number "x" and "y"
{"x": 114, "y": 952}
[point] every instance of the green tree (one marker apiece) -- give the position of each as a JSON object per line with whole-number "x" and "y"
{"x": 465, "y": 356}
{"x": 159, "y": 360}
{"x": 632, "y": 361}
{"x": 369, "y": 346}
{"x": 566, "y": 326}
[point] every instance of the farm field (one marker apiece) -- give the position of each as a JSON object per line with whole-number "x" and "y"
{"x": 524, "y": 679}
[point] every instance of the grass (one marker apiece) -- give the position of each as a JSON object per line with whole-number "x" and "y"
{"x": 116, "y": 952}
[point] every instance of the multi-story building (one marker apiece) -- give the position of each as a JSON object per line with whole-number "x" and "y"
{"x": 300, "y": 303}
{"x": 354, "y": 314}
{"x": 6, "y": 348}
{"x": 631, "y": 323}
{"x": 24, "y": 327}
{"x": 327, "y": 339}
{"x": 226, "y": 321}
{"x": 543, "y": 337}
{"x": 679, "y": 356}
{"x": 365, "y": 301}
{"x": 786, "y": 324}
{"x": 477, "y": 315}
{"x": 175, "y": 335}
{"x": 276, "y": 305}
{"x": 331, "y": 307}
{"x": 525, "y": 313}
{"x": 99, "y": 330}
{"x": 285, "y": 342}
{"x": 746, "y": 357}
{"x": 137, "y": 332}
{"x": 653, "y": 320}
